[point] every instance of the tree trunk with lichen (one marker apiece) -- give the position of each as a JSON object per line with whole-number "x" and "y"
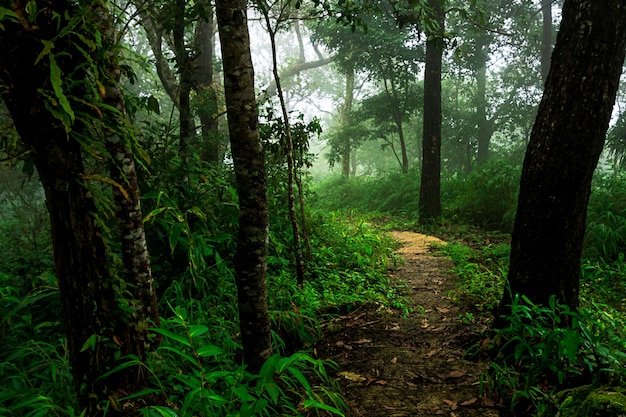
{"x": 53, "y": 130}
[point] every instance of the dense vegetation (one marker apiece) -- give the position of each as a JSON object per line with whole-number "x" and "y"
{"x": 120, "y": 131}
{"x": 533, "y": 355}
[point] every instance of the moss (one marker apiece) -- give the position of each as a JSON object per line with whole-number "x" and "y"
{"x": 605, "y": 402}
{"x": 587, "y": 401}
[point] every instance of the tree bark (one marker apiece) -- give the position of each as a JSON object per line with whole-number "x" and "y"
{"x": 136, "y": 260}
{"x": 485, "y": 126}
{"x": 546, "y": 38}
{"x": 204, "y": 85}
{"x": 345, "y": 114}
{"x": 430, "y": 188}
{"x": 565, "y": 145}
{"x": 95, "y": 331}
{"x": 248, "y": 159}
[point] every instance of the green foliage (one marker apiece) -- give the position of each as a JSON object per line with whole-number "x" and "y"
{"x": 486, "y": 197}
{"x": 481, "y": 273}
{"x": 605, "y": 236}
{"x": 201, "y": 378}
{"x": 393, "y": 194}
{"x": 36, "y": 379}
{"x": 544, "y": 348}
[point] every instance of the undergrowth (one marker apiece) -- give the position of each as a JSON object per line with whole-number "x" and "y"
{"x": 197, "y": 370}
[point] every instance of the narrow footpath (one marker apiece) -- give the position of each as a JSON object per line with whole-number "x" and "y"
{"x": 396, "y": 366}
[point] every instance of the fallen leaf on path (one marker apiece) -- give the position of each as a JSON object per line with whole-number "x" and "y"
{"x": 352, "y": 376}
{"x": 488, "y": 403}
{"x": 394, "y": 360}
{"x": 453, "y": 404}
{"x": 438, "y": 329}
{"x": 443, "y": 310}
{"x": 456, "y": 374}
{"x": 380, "y": 382}
{"x": 362, "y": 341}
{"x": 432, "y": 353}
{"x": 424, "y": 324}
{"x": 469, "y": 402}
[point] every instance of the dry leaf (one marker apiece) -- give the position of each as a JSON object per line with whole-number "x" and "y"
{"x": 360, "y": 342}
{"x": 438, "y": 329}
{"x": 469, "y": 402}
{"x": 394, "y": 360}
{"x": 488, "y": 403}
{"x": 456, "y": 374}
{"x": 432, "y": 353}
{"x": 424, "y": 324}
{"x": 380, "y": 382}
{"x": 352, "y": 376}
{"x": 443, "y": 310}
{"x": 453, "y": 404}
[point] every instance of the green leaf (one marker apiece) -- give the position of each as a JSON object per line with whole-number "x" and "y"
{"x": 174, "y": 235}
{"x": 153, "y": 105}
{"x": 89, "y": 343}
{"x": 274, "y": 391}
{"x": 180, "y": 353}
{"x": 316, "y": 404}
{"x": 210, "y": 350}
{"x": 48, "y": 46}
{"x": 197, "y": 330}
{"x": 57, "y": 86}
{"x": 162, "y": 411}
{"x": 267, "y": 371}
{"x": 6, "y": 14}
{"x": 171, "y": 335}
{"x": 301, "y": 378}
{"x": 253, "y": 409}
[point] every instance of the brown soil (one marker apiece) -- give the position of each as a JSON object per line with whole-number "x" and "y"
{"x": 395, "y": 366}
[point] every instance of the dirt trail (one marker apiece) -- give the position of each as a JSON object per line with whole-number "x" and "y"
{"x": 393, "y": 366}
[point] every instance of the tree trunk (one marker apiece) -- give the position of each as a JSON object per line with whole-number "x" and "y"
{"x": 248, "y": 159}
{"x": 289, "y": 152}
{"x": 136, "y": 260}
{"x": 345, "y": 114}
{"x": 187, "y": 128}
{"x": 54, "y": 132}
{"x": 430, "y": 188}
{"x": 563, "y": 152}
{"x": 203, "y": 75}
{"x": 546, "y": 38}
{"x": 485, "y": 126}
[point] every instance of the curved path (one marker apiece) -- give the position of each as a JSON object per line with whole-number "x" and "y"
{"x": 395, "y": 366}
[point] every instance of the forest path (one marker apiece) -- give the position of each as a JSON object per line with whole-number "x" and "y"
{"x": 396, "y": 366}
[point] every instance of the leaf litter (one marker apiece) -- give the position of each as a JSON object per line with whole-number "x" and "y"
{"x": 394, "y": 366}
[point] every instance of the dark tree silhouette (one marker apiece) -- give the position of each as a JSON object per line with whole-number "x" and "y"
{"x": 430, "y": 189}
{"x": 564, "y": 149}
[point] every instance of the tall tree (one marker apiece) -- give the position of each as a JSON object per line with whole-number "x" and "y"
{"x": 564, "y": 149}
{"x": 546, "y": 37}
{"x": 430, "y": 188}
{"x": 61, "y": 90}
{"x": 249, "y": 164}
{"x": 187, "y": 30}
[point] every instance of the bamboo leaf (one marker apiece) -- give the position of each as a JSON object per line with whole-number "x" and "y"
{"x": 171, "y": 335}
{"x": 108, "y": 181}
